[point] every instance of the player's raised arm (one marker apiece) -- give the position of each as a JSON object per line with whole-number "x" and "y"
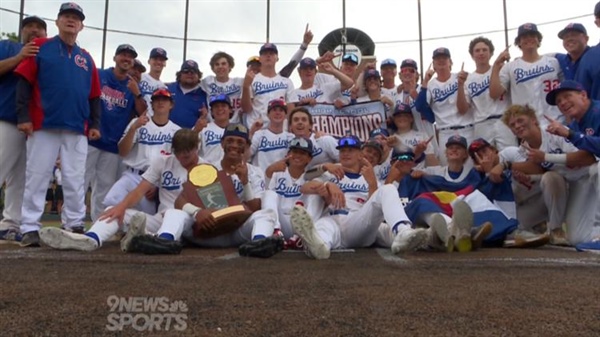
{"x": 496, "y": 88}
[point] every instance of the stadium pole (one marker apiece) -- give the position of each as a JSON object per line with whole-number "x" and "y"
{"x": 185, "y": 29}
{"x": 104, "y": 33}
{"x": 420, "y": 40}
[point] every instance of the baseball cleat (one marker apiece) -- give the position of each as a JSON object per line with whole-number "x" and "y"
{"x": 462, "y": 222}
{"x": 137, "y": 226}
{"x": 478, "y": 234}
{"x": 30, "y": 239}
{"x": 152, "y": 245}
{"x": 11, "y": 235}
{"x": 525, "y": 239}
{"x": 264, "y": 247}
{"x": 593, "y": 246}
{"x": 558, "y": 238}
{"x": 439, "y": 237}
{"x": 64, "y": 240}
{"x": 305, "y": 228}
{"x": 409, "y": 240}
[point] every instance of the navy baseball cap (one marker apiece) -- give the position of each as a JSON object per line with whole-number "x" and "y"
{"x": 402, "y": 108}
{"x": 350, "y": 58}
{"x": 371, "y": 73}
{"x": 377, "y": 132}
{"x": 409, "y": 63}
{"x": 303, "y": 144}
{"x": 477, "y": 145}
{"x": 572, "y": 27}
{"x": 388, "y": 62}
{"x": 597, "y": 9}
{"x": 31, "y": 19}
{"x": 162, "y": 92}
{"x": 268, "y": 46}
{"x": 404, "y": 153}
{"x": 375, "y": 145}
{"x": 221, "y": 98}
{"x": 276, "y": 103}
{"x": 307, "y": 62}
{"x": 190, "y": 65}
{"x": 158, "y": 52}
{"x": 350, "y": 142}
{"x": 138, "y": 64}
{"x": 457, "y": 140}
{"x": 73, "y": 8}
{"x": 442, "y": 51}
{"x": 236, "y": 130}
{"x": 563, "y": 86}
{"x": 527, "y": 28}
{"x": 126, "y": 48}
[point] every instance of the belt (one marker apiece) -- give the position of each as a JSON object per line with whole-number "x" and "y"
{"x": 494, "y": 117}
{"x": 458, "y": 127}
{"x": 131, "y": 169}
{"x": 339, "y": 211}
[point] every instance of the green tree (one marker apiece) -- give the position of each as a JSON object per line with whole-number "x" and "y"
{"x": 9, "y": 36}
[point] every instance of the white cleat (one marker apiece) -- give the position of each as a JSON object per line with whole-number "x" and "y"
{"x": 61, "y": 239}
{"x": 462, "y": 222}
{"x": 409, "y": 240}
{"x": 305, "y": 228}
{"x": 439, "y": 235}
{"x": 137, "y": 227}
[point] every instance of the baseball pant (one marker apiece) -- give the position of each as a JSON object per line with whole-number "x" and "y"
{"x": 179, "y": 224}
{"x": 444, "y": 135}
{"x": 101, "y": 173}
{"x": 314, "y": 204}
{"x": 550, "y": 205}
{"x": 105, "y": 230}
{"x": 496, "y": 133}
{"x": 583, "y": 214}
{"x": 12, "y": 173}
{"x": 127, "y": 183}
{"x": 43, "y": 147}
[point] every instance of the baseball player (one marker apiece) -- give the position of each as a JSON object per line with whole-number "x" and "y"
{"x": 528, "y": 78}
{"x": 271, "y": 144}
{"x": 151, "y": 80}
{"x": 144, "y": 139}
{"x": 258, "y": 90}
{"x": 381, "y": 136}
{"x": 137, "y": 70}
{"x": 587, "y": 72}
{"x": 403, "y": 120}
{"x": 324, "y": 147}
{"x": 571, "y": 98}
{"x": 249, "y": 184}
{"x": 121, "y": 100}
{"x": 575, "y": 41}
{"x": 473, "y": 94}
{"x": 189, "y": 98}
{"x": 12, "y": 142}
{"x": 388, "y": 70}
{"x": 210, "y": 136}
{"x": 221, "y": 64}
{"x": 310, "y": 92}
{"x": 58, "y": 104}
{"x": 437, "y": 101}
{"x": 372, "y": 83}
{"x": 166, "y": 172}
{"x": 357, "y": 207}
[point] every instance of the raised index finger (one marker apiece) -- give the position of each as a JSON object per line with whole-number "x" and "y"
{"x": 429, "y": 140}
{"x": 549, "y": 119}
{"x": 462, "y": 68}
{"x": 306, "y": 29}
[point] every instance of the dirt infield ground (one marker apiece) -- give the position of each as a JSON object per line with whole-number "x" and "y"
{"x": 494, "y": 292}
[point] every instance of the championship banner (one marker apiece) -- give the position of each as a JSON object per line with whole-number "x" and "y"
{"x": 357, "y": 119}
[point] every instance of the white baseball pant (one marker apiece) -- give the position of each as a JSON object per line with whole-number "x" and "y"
{"x": 127, "y": 183}
{"x": 496, "y": 133}
{"x": 12, "y": 172}
{"x": 43, "y": 147}
{"x": 101, "y": 172}
{"x": 549, "y": 205}
{"x": 105, "y": 230}
{"x": 583, "y": 213}
{"x": 314, "y": 204}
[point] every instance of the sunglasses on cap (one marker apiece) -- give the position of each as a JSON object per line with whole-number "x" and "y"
{"x": 299, "y": 142}
{"x": 237, "y": 127}
{"x": 407, "y": 70}
{"x": 349, "y": 141}
{"x": 161, "y": 93}
{"x": 350, "y": 57}
{"x": 219, "y": 98}
{"x": 404, "y": 157}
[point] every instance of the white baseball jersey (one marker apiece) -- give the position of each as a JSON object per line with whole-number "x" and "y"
{"x": 324, "y": 151}
{"x": 322, "y": 78}
{"x": 419, "y": 123}
{"x": 354, "y": 186}
{"x": 166, "y": 173}
{"x": 256, "y": 178}
{"x": 521, "y": 192}
{"x": 210, "y": 148}
{"x": 441, "y": 97}
{"x": 148, "y": 85}
{"x": 477, "y": 93}
{"x": 265, "y": 89}
{"x": 443, "y": 172}
{"x": 411, "y": 139}
{"x": 231, "y": 88}
{"x": 390, "y": 93}
{"x": 322, "y": 93}
{"x": 528, "y": 83}
{"x": 149, "y": 142}
{"x": 287, "y": 189}
{"x": 383, "y": 170}
{"x": 268, "y": 147}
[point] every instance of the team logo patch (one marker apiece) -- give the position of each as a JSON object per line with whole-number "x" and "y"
{"x": 80, "y": 61}
{"x": 589, "y": 131}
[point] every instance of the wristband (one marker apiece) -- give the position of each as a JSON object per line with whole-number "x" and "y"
{"x": 303, "y": 46}
{"x": 191, "y": 209}
{"x": 248, "y": 194}
{"x": 556, "y": 158}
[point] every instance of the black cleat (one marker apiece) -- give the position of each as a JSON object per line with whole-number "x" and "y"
{"x": 152, "y": 245}
{"x": 265, "y": 247}
{"x": 30, "y": 239}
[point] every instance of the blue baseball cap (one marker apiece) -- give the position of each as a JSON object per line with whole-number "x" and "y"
{"x": 527, "y": 28}
{"x": 597, "y": 9}
{"x": 377, "y": 132}
{"x": 350, "y": 58}
{"x": 563, "y": 86}
{"x": 221, "y": 98}
{"x": 409, "y": 63}
{"x": 190, "y": 65}
{"x": 457, "y": 140}
{"x": 237, "y": 130}
{"x": 31, "y": 19}
{"x": 375, "y": 145}
{"x": 268, "y": 46}
{"x": 402, "y": 108}
{"x": 442, "y": 51}
{"x": 126, "y": 48}
{"x": 73, "y": 8}
{"x": 388, "y": 62}
{"x": 307, "y": 62}
{"x": 158, "y": 52}
{"x": 303, "y": 144}
{"x": 349, "y": 141}
{"x": 572, "y": 27}
{"x": 371, "y": 73}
